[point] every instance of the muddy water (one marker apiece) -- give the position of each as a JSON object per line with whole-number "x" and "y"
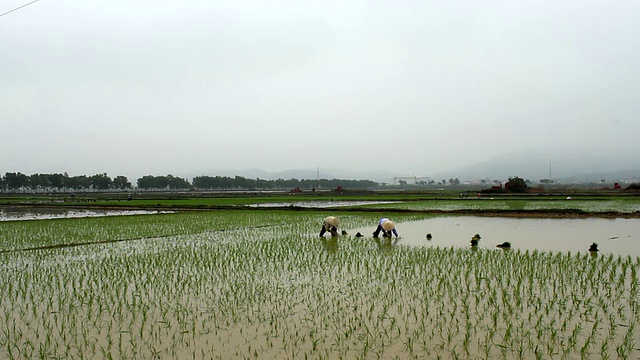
{"x": 32, "y": 213}
{"x": 615, "y": 236}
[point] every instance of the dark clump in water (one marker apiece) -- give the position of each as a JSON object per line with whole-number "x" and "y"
{"x": 593, "y": 247}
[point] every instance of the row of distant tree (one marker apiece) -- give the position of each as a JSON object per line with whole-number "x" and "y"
{"x": 19, "y": 181}
{"x": 239, "y": 182}
{"x": 12, "y": 181}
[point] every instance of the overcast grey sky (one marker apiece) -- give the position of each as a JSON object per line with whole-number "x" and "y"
{"x": 156, "y": 87}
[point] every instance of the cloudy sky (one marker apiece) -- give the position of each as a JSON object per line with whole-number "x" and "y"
{"x": 156, "y": 87}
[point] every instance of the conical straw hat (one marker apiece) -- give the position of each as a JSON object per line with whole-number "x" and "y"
{"x": 332, "y": 220}
{"x": 388, "y": 225}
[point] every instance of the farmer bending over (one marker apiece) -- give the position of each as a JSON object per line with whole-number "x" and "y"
{"x": 330, "y": 224}
{"x": 387, "y": 227}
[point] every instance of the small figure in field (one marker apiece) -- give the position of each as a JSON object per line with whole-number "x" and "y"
{"x": 593, "y": 247}
{"x": 475, "y": 239}
{"x": 387, "y": 227}
{"x": 429, "y": 236}
{"x": 330, "y": 224}
{"x": 359, "y": 235}
{"x": 504, "y": 245}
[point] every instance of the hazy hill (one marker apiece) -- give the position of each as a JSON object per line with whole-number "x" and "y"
{"x": 536, "y": 165}
{"x": 568, "y": 166}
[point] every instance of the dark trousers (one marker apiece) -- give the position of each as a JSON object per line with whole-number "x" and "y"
{"x": 384, "y": 232}
{"x": 333, "y": 230}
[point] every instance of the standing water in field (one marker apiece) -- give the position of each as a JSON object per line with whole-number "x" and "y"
{"x": 615, "y": 236}
{"x": 37, "y": 213}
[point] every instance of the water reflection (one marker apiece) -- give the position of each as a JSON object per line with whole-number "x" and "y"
{"x": 386, "y": 245}
{"x": 330, "y": 244}
{"x": 35, "y": 213}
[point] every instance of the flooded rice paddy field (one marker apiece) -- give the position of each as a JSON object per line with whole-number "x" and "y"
{"x": 39, "y": 213}
{"x": 260, "y": 285}
{"x": 613, "y": 236}
{"x": 487, "y": 204}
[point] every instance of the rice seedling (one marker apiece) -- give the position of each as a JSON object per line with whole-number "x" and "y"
{"x": 263, "y": 285}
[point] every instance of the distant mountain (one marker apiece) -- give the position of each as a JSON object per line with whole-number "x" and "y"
{"x": 563, "y": 166}
{"x": 632, "y": 175}
{"x": 560, "y": 166}
{"x": 300, "y": 174}
{"x": 379, "y": 175}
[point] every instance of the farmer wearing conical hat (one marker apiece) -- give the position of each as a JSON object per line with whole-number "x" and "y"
{"x": 387, "y": 227}
{"x": 330, "y": 224}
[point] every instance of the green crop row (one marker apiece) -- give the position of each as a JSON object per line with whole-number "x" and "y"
{"x": 263, "y": 285}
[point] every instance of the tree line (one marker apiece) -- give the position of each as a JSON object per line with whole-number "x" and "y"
{"x": 239, "y": 182}
{"x": 16, "y": 181}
